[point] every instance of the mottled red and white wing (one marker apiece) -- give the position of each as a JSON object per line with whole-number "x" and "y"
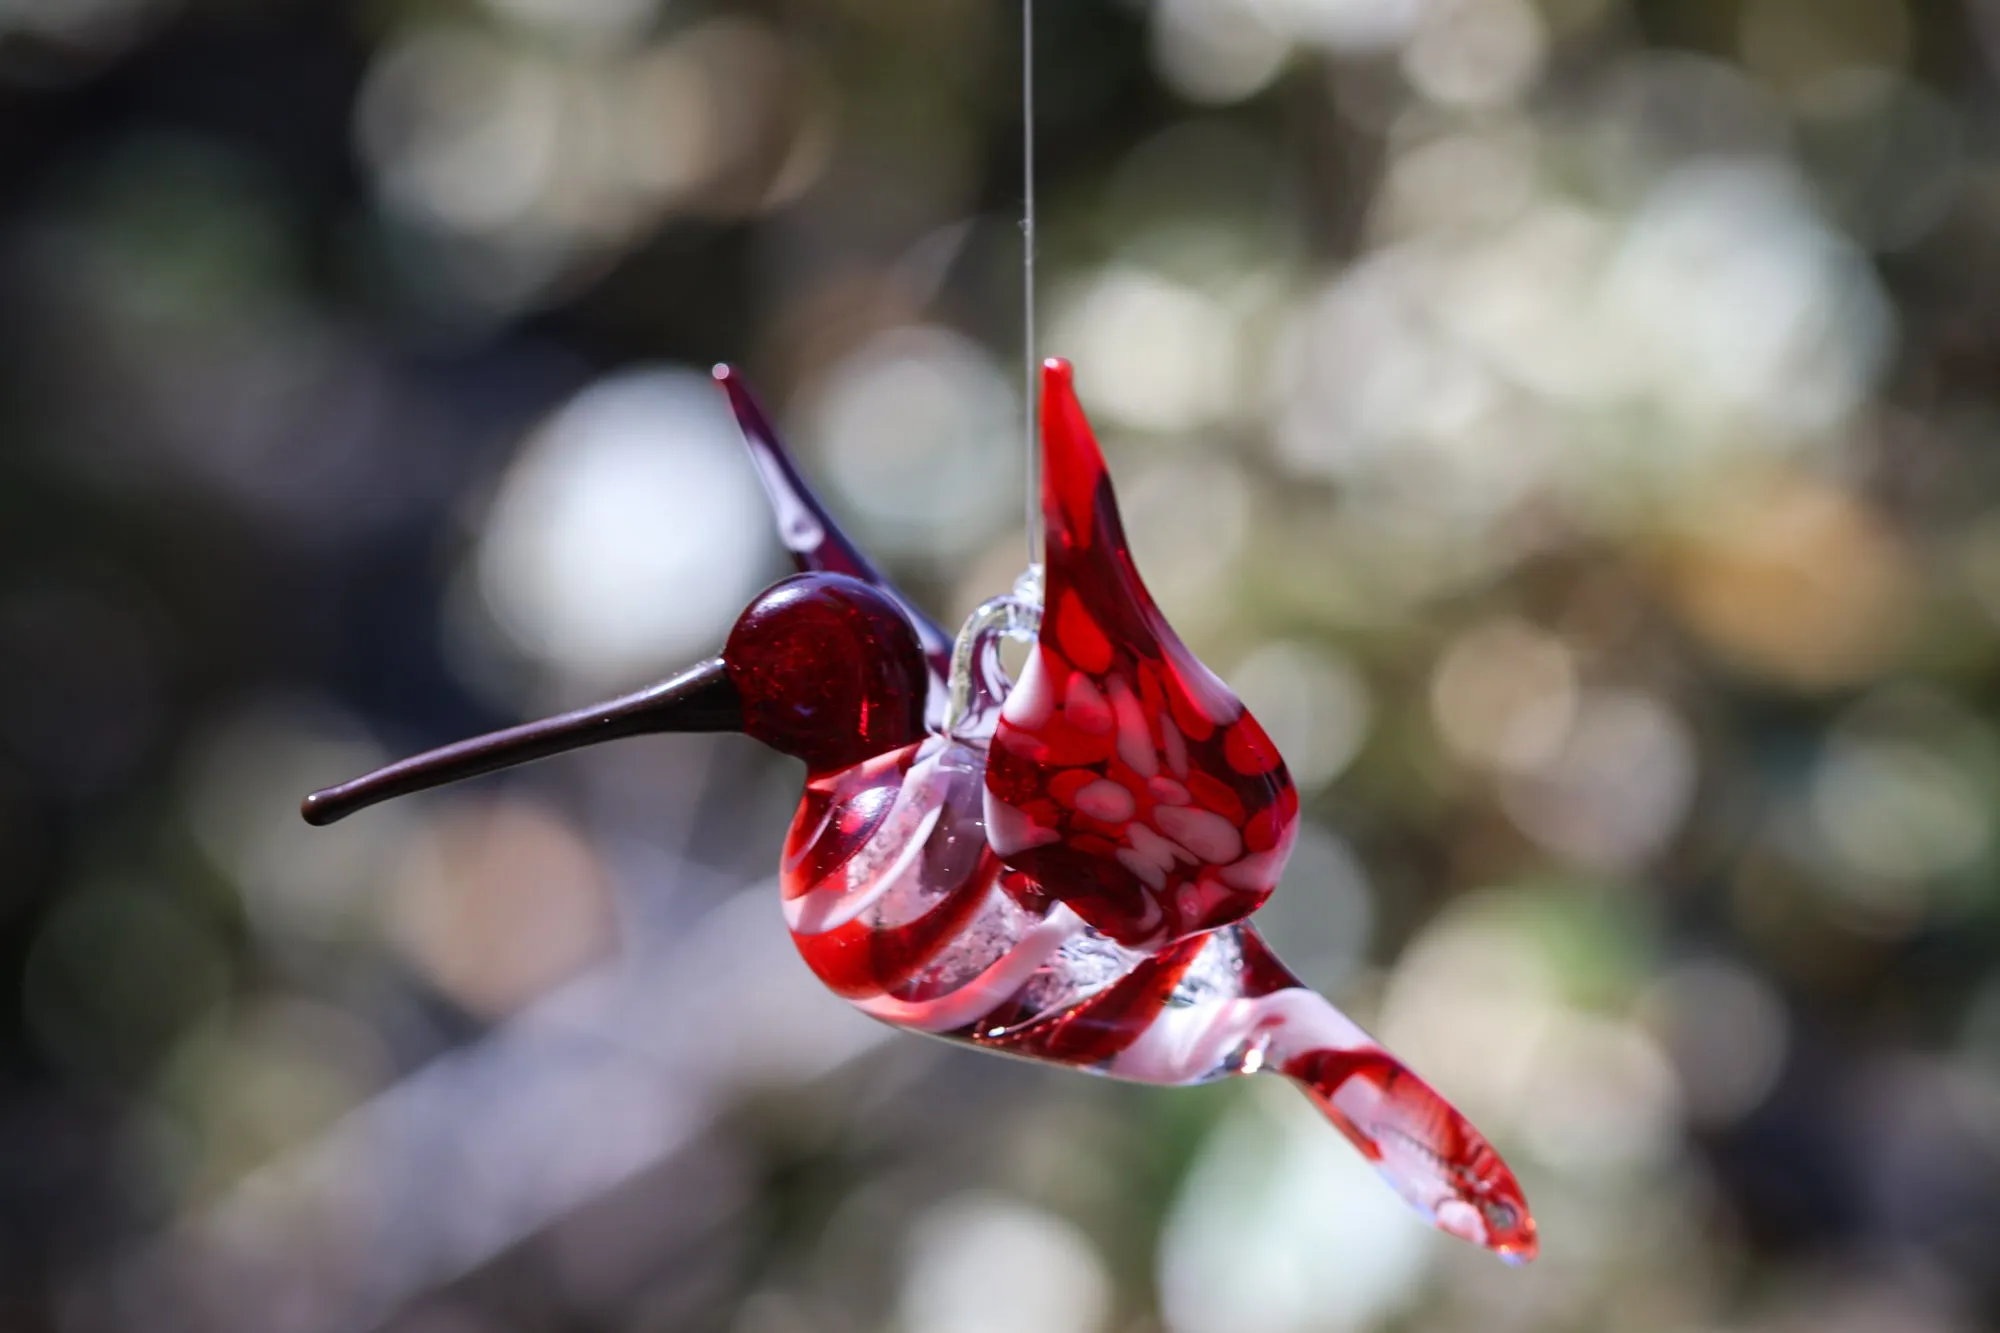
{"x": 1124, "y": 775}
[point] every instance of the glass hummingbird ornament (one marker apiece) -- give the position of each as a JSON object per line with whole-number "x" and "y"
{"x": 1061, "y": 870}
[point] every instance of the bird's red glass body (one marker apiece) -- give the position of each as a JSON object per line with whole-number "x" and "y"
{"x": 1064, "y": 878}
{"x": 898, "y": 904}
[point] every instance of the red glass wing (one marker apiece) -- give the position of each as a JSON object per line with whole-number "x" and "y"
{"x": 809, "y": 532}
{"x": 1124, "y": 776}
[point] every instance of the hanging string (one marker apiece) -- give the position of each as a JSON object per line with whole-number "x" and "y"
{"x": 1031, "y": 398}
{"x": 978, "y": 681}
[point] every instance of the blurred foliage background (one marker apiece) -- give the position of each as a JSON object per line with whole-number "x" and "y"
{"x": 1570, "y": 424}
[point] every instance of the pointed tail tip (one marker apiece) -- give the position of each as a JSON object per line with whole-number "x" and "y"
{"x": 1503, "y": 1227}
{"x": 1516, "y": 1242}
{"x": 1517, "y": 1251}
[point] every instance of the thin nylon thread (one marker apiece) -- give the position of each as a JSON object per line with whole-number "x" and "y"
{"x": 1031, "y": 398}
{"x": 978, "y": 681}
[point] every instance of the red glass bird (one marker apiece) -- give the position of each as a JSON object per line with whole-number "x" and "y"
{"x": 1059, "y": 871}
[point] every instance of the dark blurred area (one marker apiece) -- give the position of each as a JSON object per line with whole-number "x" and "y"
{"x": 1570, "y": 424}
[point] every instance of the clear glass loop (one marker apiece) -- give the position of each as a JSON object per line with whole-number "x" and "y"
{"x": 979, "y": 683}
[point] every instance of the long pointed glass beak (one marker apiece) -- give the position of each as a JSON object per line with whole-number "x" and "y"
{"x": 699, "y": 699}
